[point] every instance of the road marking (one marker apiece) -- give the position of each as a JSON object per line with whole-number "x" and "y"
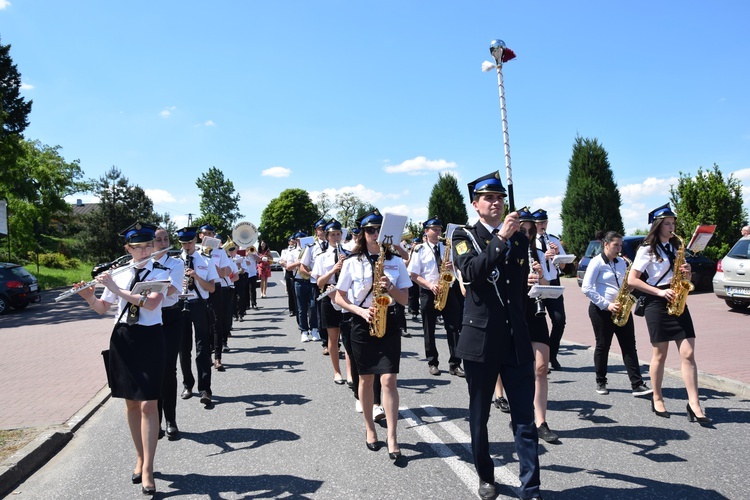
{"x": 465, "y": 473}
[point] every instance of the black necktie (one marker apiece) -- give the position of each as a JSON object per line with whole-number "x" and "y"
{"x": 191, "y": 280}
{"x": 134, "y": 310}
{"x": 324, "y": 246}
{"x": 544, "y": 251}
{"x": 438, "y": 260}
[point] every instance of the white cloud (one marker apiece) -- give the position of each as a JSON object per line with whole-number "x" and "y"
{"x": 24, "y": 86}
{"x": 651, "y": 186}
{"x": 209, "y": 123}
{"x": 4, "y": 4}
{"x": 419, "y": 166}
{"x": 277, "y": 172}
{"x": 167, "y": 111}
{"x": 159, "y": 196}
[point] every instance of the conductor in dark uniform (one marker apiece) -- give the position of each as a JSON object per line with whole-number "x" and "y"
{"x": 492, "y": 259}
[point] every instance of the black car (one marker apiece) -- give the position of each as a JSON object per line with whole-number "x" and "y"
{"x": 703, "y": 268}
{"x": 18, "y": 287}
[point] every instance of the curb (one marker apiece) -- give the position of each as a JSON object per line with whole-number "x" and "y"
{"x": 48, "y": 442}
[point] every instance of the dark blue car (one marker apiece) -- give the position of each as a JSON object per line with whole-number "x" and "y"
{"x": 18, "y": 287}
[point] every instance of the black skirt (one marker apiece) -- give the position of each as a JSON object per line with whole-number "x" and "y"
{"x": 136, "y": 362}
{"x": 373, "y": 355}
{"x": 538, "y": 328}
{"x": 663, "y": 327}
{"x": 330, "y": 317}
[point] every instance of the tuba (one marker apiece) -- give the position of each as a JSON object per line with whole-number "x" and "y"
{"x": 380, "y": 298}
{"x": 245, "y": 234}
{"x": 624, "y": 298}
{"x": 679, "y": 285}
{"x": 445, "y": 280}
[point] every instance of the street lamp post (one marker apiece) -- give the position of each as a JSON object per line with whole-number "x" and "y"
{"x": 502, "y": 54}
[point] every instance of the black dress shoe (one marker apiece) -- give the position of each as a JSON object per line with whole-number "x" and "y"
{"x": 486, "y": 490}
{"x": 434, "y": 370}
{"x": 136, "y": 478}
{"x": 692, "y": 418}
{"x": 161, "y": 433}
{"x": 457, "y": 371}
{"x": 395, "y": 455}
{"x": 205, "y": 398}
{"x": 373, "y": 446}
{"x": 172, "y": 431}
{"x": 148, "y": 490}
{"x": 662, "y": 414}
{"x": 555, "y": 364}
{"x": 502, "y": 404}
{"x": 186, "y": 393}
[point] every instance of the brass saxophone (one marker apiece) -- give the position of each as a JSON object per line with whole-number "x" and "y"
{"x": 680, "y": 286}
{"x": 445, "y": 279}
{"x": 380, "y": 298}
{"x": 624, "y": 298}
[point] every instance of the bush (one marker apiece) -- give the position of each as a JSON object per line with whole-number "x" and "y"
{"x": 55, "y": 260}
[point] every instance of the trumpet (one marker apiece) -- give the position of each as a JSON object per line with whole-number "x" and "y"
{"x": 251, "y": 250}
{"x": 112, "y": 272}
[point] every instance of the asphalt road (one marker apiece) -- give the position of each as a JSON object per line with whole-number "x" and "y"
{"x": 281, "y": 429}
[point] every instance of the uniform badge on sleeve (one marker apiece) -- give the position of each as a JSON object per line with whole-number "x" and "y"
{"x": 462, "y": 248}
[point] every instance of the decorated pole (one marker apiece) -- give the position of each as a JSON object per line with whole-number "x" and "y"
{"x": 502, "y": 54}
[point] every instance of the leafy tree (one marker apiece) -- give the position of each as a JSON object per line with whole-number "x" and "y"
{"x": 592, "y": 200}
{"x": 290, "y": 212}
{"x": 414, "y": 229}
{"x": 446, "y": 201}
{"x": 709, "y": 198}
{"x": 14, "y": 111}
{"x": 120, "y": 204}
{"x": 33, "y": 204}
{"x": 350, "y": 206}
{"x": 324, "y": 206}
{"x": 219, "y": 203}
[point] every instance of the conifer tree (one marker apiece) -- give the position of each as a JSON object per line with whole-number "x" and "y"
{"x": 592, "y": 200}
{"x": 446, "y": 201}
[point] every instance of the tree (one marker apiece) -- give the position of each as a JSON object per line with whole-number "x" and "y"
{"x": 14, "y": 112}
{"x": 592, "y": 200}
{"x": 324, "y": 205}
{"x": 709, "y": 198}
{"x": 120, "y": 204}
{"x": 33, "y": 203}
{"x": 350, "y": 206}
{"x": 446, "y": 201}
{"x": 219, "y": 203}
{"x": 290, "y": 212}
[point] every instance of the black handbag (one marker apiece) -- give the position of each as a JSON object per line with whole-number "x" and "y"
{"x": 640, "y": 306}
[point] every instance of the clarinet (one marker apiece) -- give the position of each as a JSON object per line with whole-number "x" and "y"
{"x": 539, "y": 304}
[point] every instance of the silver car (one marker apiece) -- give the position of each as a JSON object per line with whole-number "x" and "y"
{"x": 732, "y": 279}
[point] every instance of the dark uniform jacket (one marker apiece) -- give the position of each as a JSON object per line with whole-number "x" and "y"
{"x": 494, "y": 328}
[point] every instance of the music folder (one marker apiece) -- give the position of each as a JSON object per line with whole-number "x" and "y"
{"x": 562, "y": 260}
{"x": 546, "y": 291}
{"x": 147, "y": 287}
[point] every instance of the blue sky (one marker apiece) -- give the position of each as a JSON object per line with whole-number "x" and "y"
{"x": 378, "y": 98}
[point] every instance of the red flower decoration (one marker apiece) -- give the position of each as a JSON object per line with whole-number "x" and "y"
{"x": 508, "y": 54}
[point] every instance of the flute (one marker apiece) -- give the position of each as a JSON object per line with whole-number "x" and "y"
{"x": 117, "y": 270}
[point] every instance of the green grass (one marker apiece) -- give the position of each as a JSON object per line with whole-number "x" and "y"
{"x": 53, "y": 278}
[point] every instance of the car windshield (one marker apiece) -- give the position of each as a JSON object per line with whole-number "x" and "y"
{"x": 594, "y": 249}
{"x": 741, "y": 250}
{"x": 20, "y": 272}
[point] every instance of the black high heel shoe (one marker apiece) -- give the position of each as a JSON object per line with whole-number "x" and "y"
{"x": 136, "y": 478}
{"x": 371, "y": 446}
{"x": 148, "y": 490}
{"x": 692, "y": 418}
{"x": 663, "y": 414}
{"x": 394, "y": 455}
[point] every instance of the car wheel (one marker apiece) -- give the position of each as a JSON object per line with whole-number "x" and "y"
{"x": 4, "y": 306}
{"x": 737, "y": 305}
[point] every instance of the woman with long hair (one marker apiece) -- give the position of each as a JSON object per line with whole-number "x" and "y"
{"x": 136, "y": 357}
{"x": 374, "y": 356}
{"x": 264, "y": 267}
{"x": 656, "y": 258}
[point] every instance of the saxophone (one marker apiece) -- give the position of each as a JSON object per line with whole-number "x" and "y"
{"x": 380, "y": 298}
{"x": 445, "y": 279}
{"x": 624, "y": 298}
{"x": 680, "y": 286}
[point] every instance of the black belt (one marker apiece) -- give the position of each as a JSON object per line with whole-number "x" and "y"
{"x": 175, "y": 306}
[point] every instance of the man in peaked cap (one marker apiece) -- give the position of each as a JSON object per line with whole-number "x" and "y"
{"x": 309, "y": 256}
{"x": 551, "y": 246}
{"x": 492, "y": 259}
{"x": 425, "y": 269}
{"x": 287, "y": 258}
{"x": 219, "y": 297}
{"x": 202, "y": 278}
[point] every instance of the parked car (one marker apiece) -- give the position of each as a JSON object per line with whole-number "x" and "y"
{"x": 275, "y": 265}
{"x": 732, "y": 279}
{"x": 18, "y": 287}
{"x": 702, "y": 267}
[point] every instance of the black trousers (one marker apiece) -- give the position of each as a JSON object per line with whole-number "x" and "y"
{"x": 604, "y": 329}
{"x": 451, "y": 322}
{"x": 240, "y": 296}
{"x": 252, "y": 284}
{"x": 414, "y": 299}
{"x": 556, "y": 311}
{"x": 518, "y": 382}
{"x": 290, "y": 293}
{"x": 196, "y": 319}
{"x": 321, "y": 331}
{"x": 227, "y": 303}
{"x": 172, "y": 326}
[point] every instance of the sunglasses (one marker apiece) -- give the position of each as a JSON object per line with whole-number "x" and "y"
{"x": 372, "y": 230}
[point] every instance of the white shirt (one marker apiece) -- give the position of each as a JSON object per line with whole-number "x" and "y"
{"x": 648, "y": 262}
{"x": 423, "y": 261}
{"x": 123, "y": 280}
{"x": 204, "y": 269}
{"x": 176, "y": 270}
{"x": 602, "y": 281}
{"x": 311, "y": 254}
{"x": 550, "y": 272}
{"x": 356, "y": 278}
{"x": 220, "y": 259}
